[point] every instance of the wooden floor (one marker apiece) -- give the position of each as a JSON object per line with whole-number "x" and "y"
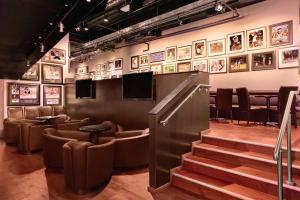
{"x": 24, "y": 177}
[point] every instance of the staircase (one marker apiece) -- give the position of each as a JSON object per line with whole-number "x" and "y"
{"x": 227, "y": 169}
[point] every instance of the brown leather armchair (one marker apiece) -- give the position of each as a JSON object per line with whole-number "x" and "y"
{"x": 87, "y": 165}
{"x": 31, "y": 112}
{"x": 111, "y": 132}
{"x": 72, "y": 124}
{"x": 11, "y": 125}
{"x": 132, "y": 149}
{"x": 53, "y": 141}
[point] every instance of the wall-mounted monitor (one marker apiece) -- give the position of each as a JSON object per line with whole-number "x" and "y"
{"x": 138, "y": 86}
{"x": 85, "y": 89}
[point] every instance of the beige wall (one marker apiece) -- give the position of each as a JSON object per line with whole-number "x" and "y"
{"x": 255, "y": 16}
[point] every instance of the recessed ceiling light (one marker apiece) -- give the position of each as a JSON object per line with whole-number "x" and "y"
{"x": 219, "y": 7}
{"x": 51, "y": 23}
{"x": 88, "y": 1}
{"x": 66, "y": 5}
{"x": 105, "y": 19}
{"x": 86, "y": 28}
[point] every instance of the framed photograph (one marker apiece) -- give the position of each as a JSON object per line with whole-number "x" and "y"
{"x": 119, "y": 64}
{"x": 157, "y": 68}
{"x": 217, "y": 65}
{"x": 281, "y": 33}
{"x": 32, "y": 74}
{"x": 200, "y": 65}
{"x": 184, "y": 53}
{"x": 144, "y": 60}
{"x": 183, "y": 66}
{"x": 134, "y": 62}
{"x": 20, "y": 94}
{"x": 157, "y": 56}
{"x": 169, "y": 68}
{"x": 52, "y": 74}
{"x": 55, "y": 56}
{"x": 52, "y": 95}
{"x": 82, "y": 70}
{"x": 288, "y": 57}
{"x": 256, "y": 39}
{"x": 199, "y": 49}
{"x": 171, "y": 54}
{"x": 263, "y": 61}
{"x": 111, "y": 65}
{"x": 100, "y": 69}
{"x": 216, "y": 47}
{"x": 235, "y": 43}
{"x": 238, "y": 63}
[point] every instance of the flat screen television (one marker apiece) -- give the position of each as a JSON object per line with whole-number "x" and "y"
{"x": 138, "y": 86}
{"x": 85, "y": 89}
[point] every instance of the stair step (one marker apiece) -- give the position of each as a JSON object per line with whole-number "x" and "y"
{"x": 249, "y": 177}
{"x": 174, "y": 193}
{"x": 215, "y": 189}
{"x": 239, "y": 157}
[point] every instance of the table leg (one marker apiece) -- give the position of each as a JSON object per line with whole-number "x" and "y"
{"x": 94, "y": 138}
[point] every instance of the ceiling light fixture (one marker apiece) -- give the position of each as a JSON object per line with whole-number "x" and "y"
{"x": 28, "y": 63}
{"x": 42, "y": 48}
{"x": 179, "y": 21}
{"x": 61, "y": 27}
{"x": 86, "y": 28}
{"x": 89, "y": 1}
{"x": 106, "y": 19}
{"x": 125, "y": 8}
{"x": 77, "y": 28}
{"x": 219, "y": 6}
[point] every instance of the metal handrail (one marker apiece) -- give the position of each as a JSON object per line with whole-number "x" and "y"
{"x": 285, "y": 126}
{"x": 199, "y": 86}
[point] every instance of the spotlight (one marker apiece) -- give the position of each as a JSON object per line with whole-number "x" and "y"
{"x": 89, "y": 1}
{"x": 219, "y": 7}
{"x": 51, "y": 24}
{"x": 28, "y": 63}
{"x": 77, "y": 28}
{"x": 106, "y": 19}
{"x": 61, "y": 27}
{"x": 86, "y": 28}
{"x": 42, "y": 48}
{"x": 179, "y": 21}
{"x": 66, "y": 5}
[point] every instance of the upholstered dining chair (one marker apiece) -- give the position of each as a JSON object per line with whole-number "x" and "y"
{"x": 224, "y": 101}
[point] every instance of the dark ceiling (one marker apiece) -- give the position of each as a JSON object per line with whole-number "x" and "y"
{"x": 23, "y": 21}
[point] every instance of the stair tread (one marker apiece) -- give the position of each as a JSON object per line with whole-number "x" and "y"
{"x": 226, "y": 186}
{"x": 171, "y": 193}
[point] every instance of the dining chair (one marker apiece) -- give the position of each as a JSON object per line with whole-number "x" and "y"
{"x": 224, "y": 101}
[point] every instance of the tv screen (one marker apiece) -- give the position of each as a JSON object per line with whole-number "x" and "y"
{"x": 85, "y": 89}
{"x": 138, "y": 86}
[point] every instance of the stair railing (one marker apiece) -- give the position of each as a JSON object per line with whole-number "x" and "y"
{"x": 284, "y": 127}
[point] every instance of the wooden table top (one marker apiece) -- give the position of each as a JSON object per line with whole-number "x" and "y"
{"x": 254, "y": 92}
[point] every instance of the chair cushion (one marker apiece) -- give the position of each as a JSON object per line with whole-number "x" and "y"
{"x": 15, "y": 112}
{"x": 45, "y": 110}
{"x": 31, "y": 112}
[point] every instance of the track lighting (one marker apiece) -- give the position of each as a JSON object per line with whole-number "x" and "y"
{"x": 179, "y": 21}
{"x": 61, "y": 27}
{"x": 86, "y": 28}
{"x": 219, "y": 7}
{"x": 77, "y": 28}
{"x": 42, "y": 48}
{"x": 106, "y": 19}
{"x": 28, "y": 63}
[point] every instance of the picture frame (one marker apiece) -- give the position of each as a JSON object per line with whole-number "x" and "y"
{"x": 235, "y": 42}
{"x": 157, "y": 57}
{"x": 263, "y": 61}
{"x": 22, "y": 94}
{"x": 184, "y": 66}
{"x": 169, "y": 68}
{"x": 134, "y": 62}
{"x": 32, "y": 74}
{"x": 144, "y": 60}
{"x": 171, "y": 54}
{"x": 288, "y": 57}
{"x": 52, "y": 95}
{"x": 119, "y": 64}
{"x": 157, "y": 68}
{"x": 184, "y": 53}
{"x": 100, "y": 68}
{"x": 256, "y": 38}
{"x": 238, "y": 63}
{"x": 199, "y": 48}
{"x": 52, "y": 74}
{"x": 217, "y": 65}
{"x": 111, "y": 65}
{"x": 281, "y": 33}
{"x": 55, "y": 55}
{"x": 216, "y": 47}
{"x": 200, "y": 65}
{"x": 82, "y": 70}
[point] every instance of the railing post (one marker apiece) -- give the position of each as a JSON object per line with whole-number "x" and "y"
{"x": 279, "y": 176}
{"x": 290, "y": 180}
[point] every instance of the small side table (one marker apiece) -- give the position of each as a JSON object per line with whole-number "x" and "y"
{"x": 95, "y": 131}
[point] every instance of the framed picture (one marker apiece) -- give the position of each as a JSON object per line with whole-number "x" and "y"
{"x": 157, "y": 56}
{"x": 52, "y": 74}
{"x": 134, "y": 62}
{"x": 184, "y": 53}
{"x": 263, "y": 61}
{"x": 52, "y": 95}
{"x": 82, "y": 70}
{"x": 111, "y": 65}
{"x": 199, "y": 49}
{"x": 238, "y": 63}
{"x": 216, "y": 47}
{"x": 119, "y": 64}
{"x": 288, "y": 57}
{"x": 100, "y": 69}
{"x": 200, "y": 65}
{"x": 157, "y": 68}
{"x": 171, "y": 54}
{"x": 217, "y": 65}
{"x": 32, "y": 74}
{"x": 183, "y": 66}
{"x": 20, "y": 94}
{"x": 281, "y": 33}
{"x": 55, "y": 56}
{"x": 144, "y": 60}
{"x": 256, "y": 39}
{"x": 169, "y": 68}
{"x": 235, "y": 42}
